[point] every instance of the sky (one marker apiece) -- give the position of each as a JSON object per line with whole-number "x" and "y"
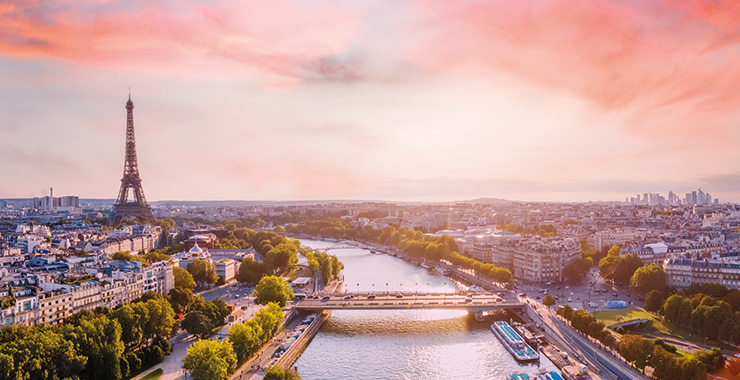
{"x": 387, "y": 100}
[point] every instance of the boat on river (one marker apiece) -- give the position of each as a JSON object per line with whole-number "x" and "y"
{"x": 513, "y": 342}
{"x": 542, "y": 374}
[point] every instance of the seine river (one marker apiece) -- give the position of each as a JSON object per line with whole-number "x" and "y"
{"x": 402, "y": 344}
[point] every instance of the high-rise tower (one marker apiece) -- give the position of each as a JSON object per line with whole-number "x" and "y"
{"x": 131, "y": 202}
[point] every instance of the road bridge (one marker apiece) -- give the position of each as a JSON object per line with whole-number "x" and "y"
{"x": 399, "y": 301}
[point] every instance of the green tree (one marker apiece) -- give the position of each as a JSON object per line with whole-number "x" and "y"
{"x": 203, "y": 271}
{"x": 272, "y": 289}
{"x": 245, "y": 339}
{"x": 131, "y": 318}
{"x": 42, "y": 354}
{"x": 649, "y": 277}
{"x": 577, "y": 270}
{"x": 99, "y": 340}
{"x": 122, "y": 256}
{"x": 161, "y": 319}
{"x": 250, "y": 271}
{"x": 181, "y": 299}
{"x": 671, "y": 307}
{"x": 210, "y": 360}
{"x": 624, "y": 267}
{"x": 654, "y": 301}
{"x": 183, "y": 278}
{"x": 548, "y": 300}
{"x": 197, "y": 324}
{"x": 269, "y": 318}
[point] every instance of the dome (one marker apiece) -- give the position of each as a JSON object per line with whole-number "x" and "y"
{"x": 195, "y": 251}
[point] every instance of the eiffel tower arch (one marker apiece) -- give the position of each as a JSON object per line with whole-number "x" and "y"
{"x": 131, "y": 203}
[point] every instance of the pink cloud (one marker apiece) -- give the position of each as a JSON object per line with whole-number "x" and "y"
{"x": 278, "y": 37}
{"x": 672, "y": 66}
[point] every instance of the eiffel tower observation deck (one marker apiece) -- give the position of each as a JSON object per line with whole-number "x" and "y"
{"x": 131, "y": 203}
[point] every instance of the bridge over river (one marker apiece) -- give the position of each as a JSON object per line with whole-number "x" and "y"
{"x": 398, "y": 301}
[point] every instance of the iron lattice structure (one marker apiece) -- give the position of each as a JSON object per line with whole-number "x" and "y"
{"x": 135, "y": 208}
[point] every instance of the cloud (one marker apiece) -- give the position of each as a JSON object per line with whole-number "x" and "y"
{"x": 670, "y": 66}
{"x": 282, "y": 38}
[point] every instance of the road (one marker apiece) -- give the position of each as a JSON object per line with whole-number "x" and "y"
{"x": 609, "y": 365}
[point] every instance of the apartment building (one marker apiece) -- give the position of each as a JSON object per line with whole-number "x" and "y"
{"x": 682, "y": 272}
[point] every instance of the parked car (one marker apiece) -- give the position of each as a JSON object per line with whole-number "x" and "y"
{"x": 399, "y": 295}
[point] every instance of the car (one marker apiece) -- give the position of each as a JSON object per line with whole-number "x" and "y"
{"x": 522, "y": 294}
{"x": 614, "y": 294}
{"x": 628, "y": 295}
{"x": 325, "y": 298}
{"x": 468, "y": 299}
{"x": 538, "y": 297}
{"x": 371, "y": 296}
{"x": 399, "y": 295}
{"x": 570, "y": 299}
{"x": 500, "y": 294}
{"x": 557, "y": 287}
{"x": 499, "y": 299}
{"x": 347, "y": 297}
{"x": 578, "y": 298}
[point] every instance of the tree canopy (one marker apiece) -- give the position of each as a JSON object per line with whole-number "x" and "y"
{"x": 272, "y": 289}
{"x": 210, "y": 360}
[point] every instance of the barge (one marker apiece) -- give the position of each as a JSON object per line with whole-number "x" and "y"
{"x": 514, "y": 342}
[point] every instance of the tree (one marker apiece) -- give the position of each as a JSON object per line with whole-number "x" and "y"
{"x": 671, "y": 307}
{"x": 250, "y": 271}
{"x": 275, "y": 372}
{"x": 131, "y": 318}
{"x": 99, "y": 340}
{"x": 203, "y": 271}
{"x": 649, "y": 277}
{"x": 313, "y": 265}
{"x": 269, "y": 318}
{"x": 712, "y": 359}
{"x": 548, "y": 300}
{"x": 180, "y": 299}
{"x": 122, "y": 256}
{"x": 625, "y": 268}
{"x": 654, "y": 301}
{"x": 210, "y": 360}
{"x": 272, "y": 289}
{"x": 245, "y": 339}
{"x": 577, "y": 270}
{"x": 161, "y": 319}
{"x": 183, "y": 278}
{"x": 42, "y": 354}
{"x": 197, "y": 324}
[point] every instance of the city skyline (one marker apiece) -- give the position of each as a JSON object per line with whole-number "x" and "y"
{"x": 387, "y": 101}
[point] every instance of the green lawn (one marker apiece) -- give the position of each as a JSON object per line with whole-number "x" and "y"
{"x": 610, "y": 317}
{"x": 154, "y": 375}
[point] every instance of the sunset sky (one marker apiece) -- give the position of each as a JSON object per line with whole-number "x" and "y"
{"x": 392, "y": 100}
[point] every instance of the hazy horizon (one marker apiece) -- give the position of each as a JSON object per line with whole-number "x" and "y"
{"x": 388, "y": 100}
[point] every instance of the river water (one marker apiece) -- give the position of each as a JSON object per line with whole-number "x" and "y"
{"x": 402, "y": 344}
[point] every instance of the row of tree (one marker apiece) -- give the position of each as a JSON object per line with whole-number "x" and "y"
{"x": 703, "y": 314}
{"x": 582, "y": 321}
{"x": 329, "y": 265}
{"x": 666, "y": 363}
{"x": 216, "y": 360}
{"x": 493, "y": 272}
{"x": 99, "y": 344}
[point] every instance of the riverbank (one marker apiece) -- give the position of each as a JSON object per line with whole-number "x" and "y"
{"x": 290, "y": 356}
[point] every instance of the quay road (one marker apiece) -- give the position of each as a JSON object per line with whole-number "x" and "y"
{"x": 395, "y": 301}
{"x": 609, "y": 365}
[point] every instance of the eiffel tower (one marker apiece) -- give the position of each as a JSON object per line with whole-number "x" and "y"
{"x": 137, "y": 207}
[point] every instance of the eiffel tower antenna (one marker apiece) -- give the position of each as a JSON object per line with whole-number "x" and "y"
{"x": 136, "y": 207}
